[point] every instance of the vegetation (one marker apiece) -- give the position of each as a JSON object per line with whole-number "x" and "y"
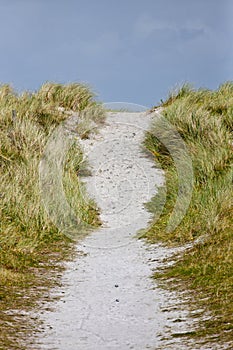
{"x": 29, "y": 241}
{"x": 28, "y": 238}
{"x": 204, "y": 119}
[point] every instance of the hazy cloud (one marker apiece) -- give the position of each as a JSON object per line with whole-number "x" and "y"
{"x": 147, "y": 26}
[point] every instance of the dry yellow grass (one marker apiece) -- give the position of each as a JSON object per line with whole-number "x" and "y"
{"x": 204, "y": 119}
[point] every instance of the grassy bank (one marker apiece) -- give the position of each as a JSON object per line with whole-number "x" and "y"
{"x": 204, "y": 119}
{"x": 29, "y": 240}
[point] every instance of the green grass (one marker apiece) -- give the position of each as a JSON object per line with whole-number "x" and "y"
{"x": 28, "y": 238}
{"x": 204, "y": 119}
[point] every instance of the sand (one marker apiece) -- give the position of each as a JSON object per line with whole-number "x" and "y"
{"x": 108, "y": 299}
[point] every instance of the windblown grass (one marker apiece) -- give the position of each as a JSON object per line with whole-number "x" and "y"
{"x": 204, "y": 119}
{"x": 28, "y": 238}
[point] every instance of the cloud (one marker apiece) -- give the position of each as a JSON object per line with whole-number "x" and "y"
{"x": 147, "y": 27}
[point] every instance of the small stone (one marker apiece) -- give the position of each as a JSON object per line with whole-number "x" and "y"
{"x": 116, "y": 285}
{"x": 117, "y": 300}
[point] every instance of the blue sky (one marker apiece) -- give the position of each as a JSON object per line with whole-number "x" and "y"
{"x": 127, "y": 50}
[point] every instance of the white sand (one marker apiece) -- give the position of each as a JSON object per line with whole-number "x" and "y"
{"x": 108, "y": 300}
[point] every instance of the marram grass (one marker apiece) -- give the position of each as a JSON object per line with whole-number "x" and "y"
{"x": 28, "y": 238}
{"x": 204, "y": 120}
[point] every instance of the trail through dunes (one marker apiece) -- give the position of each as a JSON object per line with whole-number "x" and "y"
{"x": 108, "y": 299}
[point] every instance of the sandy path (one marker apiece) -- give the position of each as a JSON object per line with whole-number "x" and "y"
{"x": 108, "y": 300}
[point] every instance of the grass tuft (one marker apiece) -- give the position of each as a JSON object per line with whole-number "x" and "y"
{"x": 28, "y": 238}
{"x": 204, "y": 119}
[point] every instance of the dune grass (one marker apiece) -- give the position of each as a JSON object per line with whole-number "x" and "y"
{"x": 28, "y": 238}
{"x": 204, "y": 119}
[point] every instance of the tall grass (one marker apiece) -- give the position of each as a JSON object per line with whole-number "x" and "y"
{"x": 204, "y": 119}
{"x": 26, "y": 232}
